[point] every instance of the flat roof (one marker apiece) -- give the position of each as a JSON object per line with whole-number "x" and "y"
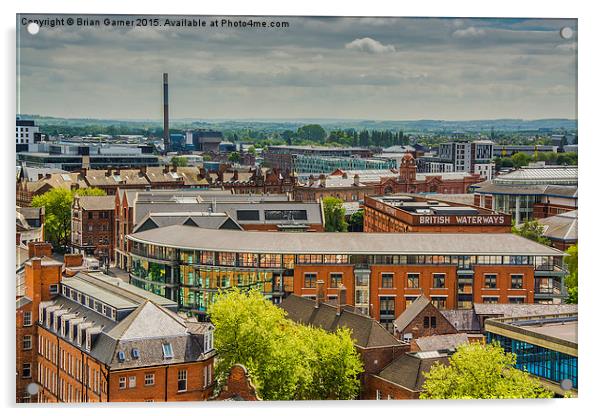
{"x": 179, "y": 236}
{"x": 566, "y": 331}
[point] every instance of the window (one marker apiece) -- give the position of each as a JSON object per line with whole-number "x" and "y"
{"x": 135, "y": 353}
{"x": 309, "y": 279}
{"x": 182, "y": 376}
{"x": 273, "y": 215}
{"x": 247, "y": 215}
{"x": 90, "y": 215}
{"x": 336, "y": 279}
{"x": 378, "y": 395}
{"x": 122, "y": 383}
{"x": 426, "y": 322}
{"x": 438, "y": 280}
{"x": 26, "y": 371}
{"x": 149, "y": 379}
{"x": 27, "y": 319}
{"x": 433, "y": 322}
{"x": 386, "y": 280}
{"x": 413, "y": 280}
{"x": 516, "y": 299}
{"x": 27, "y": 342}
{"x": 132, "y": 382}
{"x": 54, "y": 289}
{"x": 516, "y": 281}
{"x": 490, "y": 299}
{"x": 121, "y": 356}
{"x": 490, "y": 281}
{"x": 439, "y": 301}
{"x": 410, "y": 299}
{"x": 167, "y": 351}
{"x": 207, "y": 379}
{"x": 208, "y": 341}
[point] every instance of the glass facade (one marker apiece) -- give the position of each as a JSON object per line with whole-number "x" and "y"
{"x": 541, "y": 362}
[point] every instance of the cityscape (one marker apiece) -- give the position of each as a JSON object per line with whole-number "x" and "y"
{"x": 330, "y": 241}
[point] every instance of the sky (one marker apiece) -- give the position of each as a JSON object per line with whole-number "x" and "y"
{"x": 320, "y": 68}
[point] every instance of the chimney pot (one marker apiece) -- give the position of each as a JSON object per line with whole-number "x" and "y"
{"x": 320, "y": 293}
{"x": 341, "y": 298}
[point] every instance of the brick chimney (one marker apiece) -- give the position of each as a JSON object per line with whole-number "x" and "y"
{"x": 143, "y": 170}
{"x": 235, "y": 175}
{"x": 356, "y": 180}
{"x": 322, "y": 180}
{"x": 344, "y": 175}
{"x": 39, "y": 249}
{"x": 311, "y": 180}
{"x": 73, "y": 260}
{"x": 341, "y": 298}
{"x": 320, "y": 293}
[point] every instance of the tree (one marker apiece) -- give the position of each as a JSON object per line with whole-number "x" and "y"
{"x": 478, "y": 371}
{"x": 252, "y": 151}
{"x": 57, "y": 212}
{"x": 571, "y": 281}
{"x": 520, "y": 159}
{"x": 334, "y": 215}
{"x": 532, "y": 230}
{"x": 285, "y": 360}
{"x": 179, "y": 161}
{"x": 234, "y": 157}
{"x": 356, "y": 221}
{"x": 311, "y": 132}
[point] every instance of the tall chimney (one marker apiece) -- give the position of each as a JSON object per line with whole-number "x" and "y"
{"x": 166, "y": 139}
{"x": 320, "y": 294}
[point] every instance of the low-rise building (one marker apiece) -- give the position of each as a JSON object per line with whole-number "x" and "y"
{"x": 561, "y": 229}
{"x": 92, "y": 226}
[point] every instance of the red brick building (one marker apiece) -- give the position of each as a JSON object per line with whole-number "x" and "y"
{"x": 421, "y": 319}
{"x": 411, "y": 213}
{"x": 92, "y": 226}
{"x": 238, "y": 386}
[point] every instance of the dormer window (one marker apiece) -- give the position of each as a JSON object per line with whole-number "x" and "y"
{"x": 167, "y": 351}
{"x": 208, "y": 341}
{"x": 135, "y": 353}
{"x": 121, "y": 356}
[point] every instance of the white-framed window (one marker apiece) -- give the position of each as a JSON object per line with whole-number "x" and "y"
{"x": 26, "y": 370}
{"x": 54, "y": 289}
{"x": 208, "y": 341}
{"x": 122, "y": 383}
{"x": 167, "y": 351}
{"x": 182, "y": 380}
{"x": 27, "y": 342}
{"x": 132, "y": 382}
{"x": 149, "y": 379}
{"x": 27, "y": 318}
{"x": 378, "y": 395}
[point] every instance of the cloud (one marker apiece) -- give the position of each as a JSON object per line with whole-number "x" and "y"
{"x": 369, "y": 45}
{"x": 469, "y": 32}
{"x": 567, "y": 46}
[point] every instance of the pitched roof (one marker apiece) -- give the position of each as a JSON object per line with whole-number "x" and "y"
{"x": 214, "y": 221}
{"x": 513, "y": 310}
{"x": 561, "y": 227}
{"x": 97, "y": 203}
{"x": 408, "y": 369}
{"x": 441, "y": 342}
{"x": 366, "y": 332}
{"x": 464, "y": 320}
{"x": 411, "y": 312}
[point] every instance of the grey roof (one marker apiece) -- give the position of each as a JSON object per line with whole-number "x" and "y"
{"x": 561, "y": 227}
{"x": 214, "y": 221}
{"x": 549, "y": 174}
{"x": 411, "y": 312}
{"x": 441, "y": 342}
{"x": 97, "y": 203}
{"x": 366, "y": 332}
{"x": 30, "y": 213}
{"x": 562, "y": 191}
{"x": 340, "y": 243}
{"x": 113, "y": 291}
{"x": 22, "y": 301}
{"x": 464, "y": 320}
{"x": 408, "y": 370}
{"x": 512, "y": 310}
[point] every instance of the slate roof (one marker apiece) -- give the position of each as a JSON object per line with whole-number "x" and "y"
{"x": 512, "y": 310}
{"x": 214, "y": 221}
{"x": 441, "y": 342}
{"x": 561, "y": 227}
{"x": 340, "y": 243}
{"x": 408, "y": 370}
{"x": 464, "y": 320}
{"x": 411, "y": 312}
{"x": 366, "y": 332}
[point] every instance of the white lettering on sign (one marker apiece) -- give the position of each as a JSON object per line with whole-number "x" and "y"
{"x": 462, "y": 219}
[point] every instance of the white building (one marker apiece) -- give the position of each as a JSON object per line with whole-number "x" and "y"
{"x": 26, "y": 132}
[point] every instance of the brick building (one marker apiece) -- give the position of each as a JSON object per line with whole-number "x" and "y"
{"x": 355, "y": 185}
{"x": 92, "y": 226}
{"x": 102, "y": 340}
{"x": 238, "y": 386}
{"x": 411, "y": 213}
{"x": 383, "y": 272}
{"x": 561, "y": 229}
{"x": 421, "y": 319}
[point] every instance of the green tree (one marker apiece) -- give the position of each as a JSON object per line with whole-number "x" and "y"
{"x": 520, "y": 159}
{"x": 478, "y": 371}
{"x": 334, "y": 215}
{"x": 532, "y": 230}
{"x": 571, "y": 281}
{"x": 356, "y": 221}
{"x": 311, "y": 132}
{"x": 234, "y": 157}
{"x": 285, "y": 360}
{"x": 252, "y": 150}
{"x": 57, "y": 207}
{"x": 179, "y": 161}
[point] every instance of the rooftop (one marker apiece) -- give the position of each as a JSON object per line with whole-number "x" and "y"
{"x": 179, "y": 236}
{"x": 561, "y": 227}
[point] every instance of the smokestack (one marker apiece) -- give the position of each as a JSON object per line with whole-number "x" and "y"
{"x": 166, "y": 139}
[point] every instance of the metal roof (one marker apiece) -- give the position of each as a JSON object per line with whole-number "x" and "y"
{"x": 180, "y": 236}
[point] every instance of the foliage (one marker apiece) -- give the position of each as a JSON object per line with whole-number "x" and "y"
{"x": 356, "y": 221}
{"x": 334, "y": 215}
{"x": 252, "y": 151}
{"x": 57, "y": 207}
{"x": 312, "y": 132}
{"x": 285, "y": 360}
{"x": 234, "y": 157}
{"x": 532, "y": 230}
{"x": 478, "y": 371}
{"x": 179, "y": 161}
{"x": 571, "y": 281}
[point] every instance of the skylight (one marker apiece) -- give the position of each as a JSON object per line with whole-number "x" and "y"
{"x": 167, "y": 351}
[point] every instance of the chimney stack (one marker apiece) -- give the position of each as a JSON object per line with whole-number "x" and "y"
{"x": 322, "y": 181}
{"x": 341, "y": 298}
{"x": 320, "y": 294}
{"x": 166, "y": 138}
{"x": 356, "y": 180}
